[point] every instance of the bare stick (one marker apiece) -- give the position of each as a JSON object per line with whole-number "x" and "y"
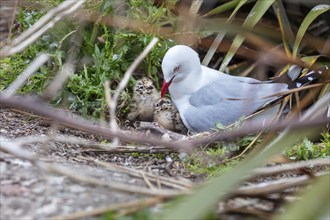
{"x": 40, "y": 27}
{"x": 141, "y": 203}
{"x": 14, "y": 149}
{"x": 275, "y": 186}
{"x": 38, "y": 106}
{"x": 267, "y": 171}
{"x": 246, "y": 149}
{"x": 113, "y": 185}
{"x": 171, "y": 182}
{"x": 144, "y": 125}
{"x": 67, "y": 69}
{"x": 29, "y": 71}
{"x": 124, "y": 81}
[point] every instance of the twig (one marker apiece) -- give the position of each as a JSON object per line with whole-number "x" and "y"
{"x": 114, "y": 185}
{"x": 68, "y": 68}
{"x": 248, "y": 210}
{"x": 144, "y": 125}
{"x": 267, "y": 171}
{"x": 14, "y": 149}
{"x": 312, "y": 117}
{"x": 90, "y": 146}
{"x": 146, "y": 180}
{"x": 247, "y": 148}
{"x": 171, "y": 182}
{"x": 139, "y": 204}
{"x": 275, "y": 186}
{"x": 124, "y": 81}
{"x": 31, "y": 69}
{"x": 37, "y": 106}
{"x": 40, "y": 27}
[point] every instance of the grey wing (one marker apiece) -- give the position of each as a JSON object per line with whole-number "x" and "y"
{"x": 226, "y": 101}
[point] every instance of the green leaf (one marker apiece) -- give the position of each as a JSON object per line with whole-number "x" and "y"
{"x": 224, "y": 7}
{"x": 254, "y": 16}
{"x": 308, "y": 144}
{"x": 311, "y": 16}
{"x": 310, "y": 60}
{"x": 285, "y": 27}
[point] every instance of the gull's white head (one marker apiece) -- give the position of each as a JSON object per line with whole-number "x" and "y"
{"x": 178, "y": 62}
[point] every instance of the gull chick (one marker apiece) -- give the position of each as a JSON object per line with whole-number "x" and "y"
{"x": 144, "y": 96}
{"x": 168, "y": 116}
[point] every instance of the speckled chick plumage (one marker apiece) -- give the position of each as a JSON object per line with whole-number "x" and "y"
{"x": 168, "y": 116}
{"x": 144, "y": 96}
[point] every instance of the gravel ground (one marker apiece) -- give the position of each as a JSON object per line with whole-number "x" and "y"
{"x": 29, "y": 192}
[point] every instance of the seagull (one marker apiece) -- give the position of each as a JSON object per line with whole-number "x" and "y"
{"x": 204, "y": 96}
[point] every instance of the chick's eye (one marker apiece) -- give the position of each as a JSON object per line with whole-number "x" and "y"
{"x": 176, "y": 69}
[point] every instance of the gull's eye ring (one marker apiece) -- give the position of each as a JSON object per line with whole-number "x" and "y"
{"x": 176, "y": 69}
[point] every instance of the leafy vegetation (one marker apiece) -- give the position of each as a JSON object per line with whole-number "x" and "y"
{"x": 213, "y": 161}
{"x": 308, "y": 150}
{"x": 107, "y": 59}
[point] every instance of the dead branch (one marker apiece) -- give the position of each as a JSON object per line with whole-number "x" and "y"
{"x": 275, "y": 186}
{"x": 123, "y": 83}
{"x": 154, "y": 126}
{"x": 268, "y": 171}
{"x": 40, "y": 27}
{"x": 90, "y": 146}
{"x": 30, "y": 70}
{"x": 37, "y": 106}
{"x": 140, "y": 204}
{"x": 111, "y": 184}
{"x": 68, "y": 67}
{"x": 182, "y": 184}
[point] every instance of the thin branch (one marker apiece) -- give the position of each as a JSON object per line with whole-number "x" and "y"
{"x": 29, "y": 71}
{"x": 140, "y": 203}
{"x": 40, "y": 27}
{"x": 144, "y": 125}
{"x": 245, "y": 150}
{"x": 267, "y": 171}
{"x": 171, "y": 182}
{"x": 124, "y": 81}
{"x": 68, "y": 68}
{"x": 37, "y": 106}
{"x": 113, "y": 185}
{"x": 275, "y": 186}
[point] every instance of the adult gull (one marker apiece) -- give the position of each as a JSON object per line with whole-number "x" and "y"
{"x": 204, "y": 96}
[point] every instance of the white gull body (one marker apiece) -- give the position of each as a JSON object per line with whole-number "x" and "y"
{"x": 204, "y": 96}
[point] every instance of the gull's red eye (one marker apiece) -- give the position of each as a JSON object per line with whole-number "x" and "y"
{"x": 176, "y": 69}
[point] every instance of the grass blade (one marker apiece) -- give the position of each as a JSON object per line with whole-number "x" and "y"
{"x": 221, "y": 35}
{"x": 224, "y": 7}
{"x": 254, "y": 16}
{"x": 285, "y": 27}
{"x": 311, "y": 16}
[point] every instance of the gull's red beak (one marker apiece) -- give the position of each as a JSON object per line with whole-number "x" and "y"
{"x": 165, "y": 87}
